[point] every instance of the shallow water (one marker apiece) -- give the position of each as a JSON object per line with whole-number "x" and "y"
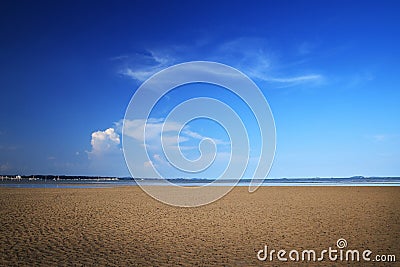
{"x": 390, "y": 181}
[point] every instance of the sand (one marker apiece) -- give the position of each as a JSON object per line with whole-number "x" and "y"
{"x": 125, "y": 227}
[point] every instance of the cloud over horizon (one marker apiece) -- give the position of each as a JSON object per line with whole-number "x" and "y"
{"x": 104, "y": 142}
{"x": 106, "y": 154}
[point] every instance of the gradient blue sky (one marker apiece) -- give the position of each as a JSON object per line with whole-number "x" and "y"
{"x": 329, "y": 70}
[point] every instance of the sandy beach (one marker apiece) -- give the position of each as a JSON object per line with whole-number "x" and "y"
{"x": 126, "y": 227}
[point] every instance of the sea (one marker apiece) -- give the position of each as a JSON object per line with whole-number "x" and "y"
{"x": 117, "y": 182}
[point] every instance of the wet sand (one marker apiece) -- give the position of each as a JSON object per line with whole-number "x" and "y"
{"x": 125, "y": 227}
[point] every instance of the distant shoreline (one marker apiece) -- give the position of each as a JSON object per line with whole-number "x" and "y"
{"x": 101, "y": 182}
{"x": 114, "y": 178}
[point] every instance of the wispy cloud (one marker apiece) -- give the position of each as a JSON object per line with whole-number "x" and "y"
{"x": 140, "y": 75}
{"x": 305, "y": 48}
{"x": 359, "y": 79}
{"x": 167, "y": 143}
{"x": 140, "y": 66}
{"x": 383, "y": 137}
{"x": 258, "y": 61}
{"x": 251, "y": 55}
{"x": 8, "y": 148}
{"x": 311, "y": 77}
{"x": 174, "y": 136}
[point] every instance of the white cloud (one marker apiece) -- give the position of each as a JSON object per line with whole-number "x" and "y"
{"x": 359, "y": 79}
{"x": 178, "y": 143}
{"x": 250, "y": 55}
{"x": 106, "y": 157}
{"x": 379, "y": 137}
{"x": 157, "y": 159}
{"x": 384, "y": 137}
{"x": 156, "y": 162}
{"x": 258, "y": 72}
{"x": 293, "y": 80}
{"x": 148, "y": 164}
{"x": 306, "y": 48}
{"x": 154, "y": 127}
{"x": 256, "y": 59}
{"x": 193, "y": 134}
{"x": 142, "y": 66}
{"x": 104, "y": 142}
{"x": 140, "y": 75}
{"x": 170, "y": 131}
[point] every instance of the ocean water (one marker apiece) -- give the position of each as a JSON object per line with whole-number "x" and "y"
{"x": 94, "y": 183}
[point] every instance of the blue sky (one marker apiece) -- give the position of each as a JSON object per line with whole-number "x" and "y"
{"x": 329, "y": 70}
